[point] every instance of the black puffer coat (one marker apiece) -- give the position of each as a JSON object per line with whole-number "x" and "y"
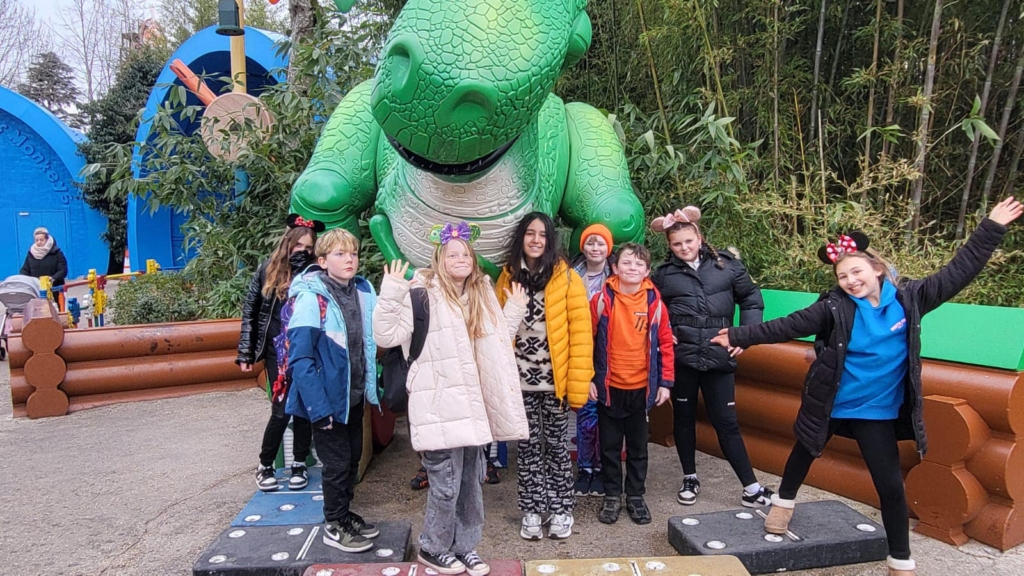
{"x": 54, "y": 265}
{"x": 256, "y": 313}
{"x": 831, "y": 320}
{"x": 701, "y": 302}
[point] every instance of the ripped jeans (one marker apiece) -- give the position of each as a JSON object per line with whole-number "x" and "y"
{"x": 454, "y": 520}
{"x": 719, "y": 391}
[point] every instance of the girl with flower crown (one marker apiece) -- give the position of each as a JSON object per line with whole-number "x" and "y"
{"x": 702, "y": 287}
{"x": 866, "y": 381}
{"x": 463, "y": 388}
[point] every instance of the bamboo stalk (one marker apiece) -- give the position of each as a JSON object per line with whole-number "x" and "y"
{"x": 839, "y": 44}
{"x": 657, "y": 88}
{"x": 926, "y": 110}
{"x": 817, "y": 66}
{"x": 871, "y": 95}
{"x": 890, "y": 104}
{"x": 824, "y": 192}
{"x": 720, "y": 94}
{"x": 775, "y": 91}
{"x": 993, "y": 57}
{"x": 1012, "y": 174}
{"x": 1011, "y": 98}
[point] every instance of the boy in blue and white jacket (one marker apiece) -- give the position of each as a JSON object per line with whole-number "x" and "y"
{"x": 331, "y": 358}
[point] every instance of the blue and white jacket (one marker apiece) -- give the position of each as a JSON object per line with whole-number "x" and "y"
{"x": 318, "y": 349}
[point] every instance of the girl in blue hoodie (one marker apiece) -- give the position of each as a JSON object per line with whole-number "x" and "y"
{"x": 866, "y": 380}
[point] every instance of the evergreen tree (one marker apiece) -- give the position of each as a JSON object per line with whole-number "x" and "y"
{"x": 51, "y": 83}
{"x": 114, "y": 120}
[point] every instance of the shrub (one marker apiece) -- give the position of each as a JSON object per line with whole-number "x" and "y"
{"x": 154, "y": 298}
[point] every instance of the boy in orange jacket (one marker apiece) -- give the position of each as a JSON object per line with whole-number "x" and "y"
{"x": 634, "y": 370}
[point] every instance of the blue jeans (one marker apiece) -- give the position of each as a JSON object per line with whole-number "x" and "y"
{"x": 588, "y": 446}
{"x": 454, "y": 521}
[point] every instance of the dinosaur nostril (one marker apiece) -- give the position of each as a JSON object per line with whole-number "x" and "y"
{"x": 471, "y": 101}
{"x": 402, "y": 59}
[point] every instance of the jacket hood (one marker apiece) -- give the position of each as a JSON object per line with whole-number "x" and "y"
{"x": 614, "y": 283}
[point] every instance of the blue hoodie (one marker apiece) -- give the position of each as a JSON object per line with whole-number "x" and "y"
{"x": 871, "y": 387}
{"x": 317, "y": 350}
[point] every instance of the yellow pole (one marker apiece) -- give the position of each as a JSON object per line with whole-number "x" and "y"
{"x": 238, "y": 52}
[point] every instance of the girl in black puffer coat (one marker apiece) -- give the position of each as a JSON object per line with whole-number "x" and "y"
{"x": 702, "y": 288}
{"x": 261, "y": 324}
{"x": 866, "y": 380}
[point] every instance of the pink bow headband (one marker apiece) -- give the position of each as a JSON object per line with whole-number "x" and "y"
{"x": 689, "y": 215}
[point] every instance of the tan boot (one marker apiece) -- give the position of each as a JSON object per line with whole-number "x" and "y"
{"x": 779, "y": 516}
{"x": 900, "y": 567}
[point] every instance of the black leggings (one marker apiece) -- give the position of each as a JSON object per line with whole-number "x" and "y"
{"x": 877, "y": 441}
{"x": 719, "y": 390}
{"x": 278, "y": 423}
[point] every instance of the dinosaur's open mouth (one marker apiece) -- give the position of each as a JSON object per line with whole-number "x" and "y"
{"x": 464, "y": 169}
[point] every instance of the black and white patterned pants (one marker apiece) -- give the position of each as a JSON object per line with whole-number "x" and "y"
{"x": 544, "y": 468}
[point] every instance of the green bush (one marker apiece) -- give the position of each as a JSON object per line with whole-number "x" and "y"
{"x": 154, "y": 298}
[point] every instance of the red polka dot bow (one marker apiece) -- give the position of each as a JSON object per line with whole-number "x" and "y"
{"x": 842, "y": 245}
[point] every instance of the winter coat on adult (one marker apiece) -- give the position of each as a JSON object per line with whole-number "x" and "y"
{"x": 570, "y": 333}
{"x": 830, "y": 319}
{"x": 53, "y": 264}
{"x": 318, "y": 350}
{"x": 462, "y": 391}
{"x": 703, "y": 301}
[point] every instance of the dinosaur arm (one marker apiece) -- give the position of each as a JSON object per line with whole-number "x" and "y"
{"x": 598, "y": 188}
{"x": 340, "y": 183}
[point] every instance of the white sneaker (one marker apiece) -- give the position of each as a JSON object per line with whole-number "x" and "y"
{"x": 561, "y": 526}
{"x": 532, "y": 527}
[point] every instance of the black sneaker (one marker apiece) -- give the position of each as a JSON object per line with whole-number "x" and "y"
{"x": 492, "y": 476}
{"x": 443, "y": 562}
{"x": 762, "y": 497}
{"x": 596, "y": 484}
{"x": 582, "y": 485}
{"x": 688, "y": 493}
{"x": 299, "y": 478}
{"x": 364, "y": 528}
{"x": 637, "y": 509}
{"x": 420, "y": 480}
{"x": 265, "y": 479}
{"x": 475, "y": 566}
{"x": 609, "y": 513}
{"x": 344, "y": 537}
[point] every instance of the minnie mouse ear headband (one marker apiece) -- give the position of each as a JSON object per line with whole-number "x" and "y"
{"x": 846, "y": 243}
{"x": 296, "y": 221}
{"x": 443, "y": 234}
{"x": 690, "y": 214}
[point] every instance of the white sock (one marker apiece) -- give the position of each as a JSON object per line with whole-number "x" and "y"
{"x": 694, "y": 476}
{"x": 296, "y": 463}
{"x": 752, "y": 489}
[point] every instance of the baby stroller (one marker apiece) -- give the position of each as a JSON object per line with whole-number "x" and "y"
{"x": 15, "y": 292}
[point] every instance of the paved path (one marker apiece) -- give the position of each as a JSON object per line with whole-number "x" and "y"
{"x": 142, "y": 488}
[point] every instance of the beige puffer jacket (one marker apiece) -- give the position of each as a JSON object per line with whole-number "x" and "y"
{"x": 461, "y": 392}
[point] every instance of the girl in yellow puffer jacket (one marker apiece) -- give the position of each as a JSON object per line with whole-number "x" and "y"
{"x": 554, "y": 352}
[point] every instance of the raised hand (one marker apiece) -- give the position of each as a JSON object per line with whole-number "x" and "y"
{"x": 722, "y": 339}
{"x": 1006, "y": 211}
{"x": 517, "y": 294}
{"x": 397, "y": 269}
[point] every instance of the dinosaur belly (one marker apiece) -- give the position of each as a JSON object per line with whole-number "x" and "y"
{"x": 495, "y": 201}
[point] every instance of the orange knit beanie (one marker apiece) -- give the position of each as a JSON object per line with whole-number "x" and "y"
{"x": 599, "y": 229}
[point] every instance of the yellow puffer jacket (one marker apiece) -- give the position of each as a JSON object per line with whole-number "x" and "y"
{"x": 570, "y": 336}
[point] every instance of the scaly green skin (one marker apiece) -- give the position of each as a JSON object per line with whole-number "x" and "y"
{"x": 456, "y": 82}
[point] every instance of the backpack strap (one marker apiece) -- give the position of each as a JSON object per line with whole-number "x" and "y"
{"x": 420, "y": 321}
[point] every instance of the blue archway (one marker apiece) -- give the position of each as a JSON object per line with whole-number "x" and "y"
{"x": 41, "y": 166}
{"x": 158, "y": 235}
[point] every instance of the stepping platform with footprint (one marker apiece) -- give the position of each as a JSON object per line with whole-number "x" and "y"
{"x": 498, "y": 568}
{"x": 685, "y": 566}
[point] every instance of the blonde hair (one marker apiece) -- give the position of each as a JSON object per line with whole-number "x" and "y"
{"x": 339, "y": 238}
{"x": 479, "y": 303}
{"x": 878, "y": 264}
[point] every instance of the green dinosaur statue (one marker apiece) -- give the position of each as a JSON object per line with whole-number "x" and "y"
{"x": 459, "y": 123}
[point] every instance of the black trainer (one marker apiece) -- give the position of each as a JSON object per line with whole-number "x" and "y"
{"x": 344, "y": 537}
{"x": 443, "y": 562}
{"x": 299, "y": 478}
{"x": 637, "y": 509}
{"x": 762, "y": 497}
{"x": 492, "y": 475}
{"x": 688, "y": 493}
{"x": 609, "y": 513}
{"x": 364, "y": 528}
{"x": 475, "y": 565}
{"x": 266, "y": 481}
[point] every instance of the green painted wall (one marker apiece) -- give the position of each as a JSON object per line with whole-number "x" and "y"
{"x": 981, "y": 335}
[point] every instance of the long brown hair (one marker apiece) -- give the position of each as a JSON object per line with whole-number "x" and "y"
{"x": 279, "y": 271}
{"x": 479, "y": 291}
